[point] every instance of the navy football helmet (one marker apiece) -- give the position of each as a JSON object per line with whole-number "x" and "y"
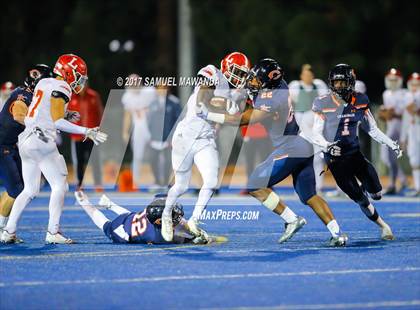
{"x": 266, "y": 74}
{"x": 36, "y": 73}
{"x": 345, "y": 73}
{"x": 155, "y": 209}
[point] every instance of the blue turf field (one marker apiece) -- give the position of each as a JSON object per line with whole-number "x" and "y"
{"x": 249, "y": 271}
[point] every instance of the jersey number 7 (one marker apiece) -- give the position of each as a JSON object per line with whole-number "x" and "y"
{"x": 38, "y": 97}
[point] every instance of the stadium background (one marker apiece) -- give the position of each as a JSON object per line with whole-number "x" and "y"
{"x": 372, "y": 36}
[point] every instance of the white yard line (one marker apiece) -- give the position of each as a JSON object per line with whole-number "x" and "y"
{"x": 359, "y": 305}
{"x": 209, "y": 277}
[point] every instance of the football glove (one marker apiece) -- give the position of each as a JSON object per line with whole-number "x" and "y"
{"x": 96, "y": 136}
{"x": 397, "y": 149}
{"x": 333, "y": 149}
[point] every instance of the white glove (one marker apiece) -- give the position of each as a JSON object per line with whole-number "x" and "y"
{"x": 72, "y": 116}
{"x": 95, "y": 135}
{"x": 397, "y": 149}
{"x": 201, "y": 110}
{"x": 334, "y": 149}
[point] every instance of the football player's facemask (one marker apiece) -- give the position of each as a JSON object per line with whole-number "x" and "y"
{"x": 393, "y": 79}
{"x": 73, "y": 70}
{"x": 267, "y": 74}
{"x": 36, "y": 73}
{"x": 235, "y": 67}
{"x": 341, "y": 81}
{"x": 155, "y": 209}
{"x": 413, "y": 83}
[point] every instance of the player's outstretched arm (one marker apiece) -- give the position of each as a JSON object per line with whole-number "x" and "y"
{"x": 58, "y": 114}
{"x": 250, "y": 116}
{"x": 317, "y": 137}
{"x": 370, "y": 126}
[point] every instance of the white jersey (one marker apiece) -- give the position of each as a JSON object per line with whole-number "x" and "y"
{"x": 193, "y": 125}
{"x": 39, "y": 112}
{"x": 137, "y": 102}
{"x": 395, "y": 99}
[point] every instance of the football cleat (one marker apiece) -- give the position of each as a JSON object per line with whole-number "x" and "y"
{"x": 193, "y": 226}
{"x": 57, "y": 238}
{"x": 340, "y": 240}
{"x": 292, "y": 229}
{"x": 203, "y": 238}
{"x": 8, "y": 238}
{"x": 386, "y": 233}
{"x": 105, "y": 202}
{"x": 167, "y": 230}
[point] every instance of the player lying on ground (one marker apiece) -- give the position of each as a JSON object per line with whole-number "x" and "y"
{"x": 12, "y": 124}
{"x": 140, "y": 227}
{"x": 293, "y": 155}
{"x": 194, "y": 138}
{"x": 338, "y": 115}
{"x": 38, "y": 148}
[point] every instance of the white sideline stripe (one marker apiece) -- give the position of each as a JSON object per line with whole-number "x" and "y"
{"x": 162, "y": 251}
{"x": 403, "y": 215}
{"x": 209, "y": 277}
{"x": 361, "y": 305}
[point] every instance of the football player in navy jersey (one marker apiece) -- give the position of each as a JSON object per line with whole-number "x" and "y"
{"x": 338, "y": 115}
{"x": 292, "y": 155}
{"x": 11, "y": 125}
{"x": 142, "y": 227}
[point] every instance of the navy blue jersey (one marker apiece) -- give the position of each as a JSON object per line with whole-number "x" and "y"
{"x": 133, "y": 228}
{"x": 282, "y": 127}
{"x": 9, "y": 128}
{"x": 342, "y": 120}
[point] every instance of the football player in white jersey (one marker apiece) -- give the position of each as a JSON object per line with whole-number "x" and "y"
{"x": 410, "y": 135}
{"x": 194, "y": 138}
{"x": 391, "y": 111}
{"x": 37, "y": 146}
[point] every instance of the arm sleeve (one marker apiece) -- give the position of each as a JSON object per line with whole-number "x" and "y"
{"x": 63, "y": 125}
{"x": 369, "y": 125}
{"x": 317, "y": 137}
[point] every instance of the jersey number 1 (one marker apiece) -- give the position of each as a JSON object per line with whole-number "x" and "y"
{"x": 38, "y": 97}
{"x": 346, "y": 131}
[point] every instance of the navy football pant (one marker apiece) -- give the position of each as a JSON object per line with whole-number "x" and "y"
{"x": 276, "y": 168}
{"x": 350, "y": 168}
{"x": 11, "y": 170}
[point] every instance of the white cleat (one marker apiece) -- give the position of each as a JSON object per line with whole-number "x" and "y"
{"x": 167, "y": 228}
{"x": 193, "y": 226}
{"x": 8, "y": 238}
{"x": 338, "y": 241}
{"x": 105, "y": 201}
{"x": 57, "y": 238}
{"x": 292, "y": 229}
{"x": 386, "y": 233}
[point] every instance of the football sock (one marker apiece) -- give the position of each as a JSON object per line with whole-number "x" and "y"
{"x": 203, "y": 198}
{"x": 20, "y": 203}
{"x": 55, "y": 209}
{"x": 288, "y": 215}
{"x": 170, "y": 201}
{"x": 333, "y": 228}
